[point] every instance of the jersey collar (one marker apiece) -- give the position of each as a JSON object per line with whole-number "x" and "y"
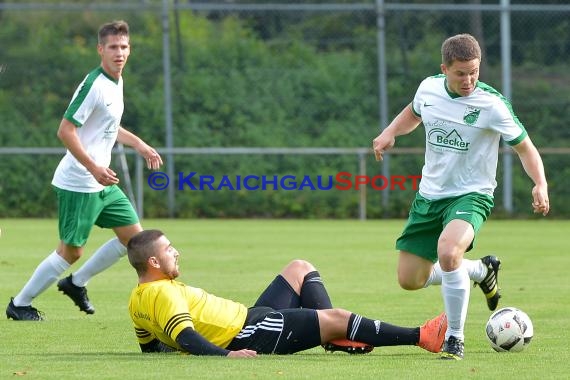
{"x": 102, "y": 71}
{"x": 452, "y": 95}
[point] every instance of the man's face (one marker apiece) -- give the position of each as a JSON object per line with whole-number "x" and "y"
{"x": 167, "y": 258}
{"x": 114, "y": 53}
{"x": 462, "y": 76}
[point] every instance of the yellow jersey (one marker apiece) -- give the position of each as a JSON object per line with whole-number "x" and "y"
{"x": 162, "y": 309}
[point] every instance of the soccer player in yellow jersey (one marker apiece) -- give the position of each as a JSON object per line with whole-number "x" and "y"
{"x": 293, "y": 314}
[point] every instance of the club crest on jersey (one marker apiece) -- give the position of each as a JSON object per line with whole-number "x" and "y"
{"x": 471, "y": 115}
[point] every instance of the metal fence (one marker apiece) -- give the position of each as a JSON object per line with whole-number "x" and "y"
{"x": 135, "y": 181}
{"x": 392, "y": 37}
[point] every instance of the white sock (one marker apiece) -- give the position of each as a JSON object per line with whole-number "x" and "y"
{"x": 46, "y": 273}
{"x": 475, "y": 269}
{"x": 455, "y": 288}
{"x": 435, "y": 276}
{"x": 104, "y": 257}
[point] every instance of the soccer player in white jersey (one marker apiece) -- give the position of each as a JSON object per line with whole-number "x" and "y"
{"x": 464, "y": 120}
{"x": 86, "y": 187}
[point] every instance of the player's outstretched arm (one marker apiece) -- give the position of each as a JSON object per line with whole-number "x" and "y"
{"x": 534, "y": 168}
{"x": 404, "y": 123}
{"x": 150, "y": 155}
{"x": 192, "y": 342}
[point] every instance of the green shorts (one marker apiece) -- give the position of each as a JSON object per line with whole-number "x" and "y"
{"x": 79, "y": 212}
{"x": 427, "y": 220}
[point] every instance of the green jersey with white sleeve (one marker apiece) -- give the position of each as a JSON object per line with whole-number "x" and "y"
{"x": 462, "y": 137}
{"x": 96, "y": 109}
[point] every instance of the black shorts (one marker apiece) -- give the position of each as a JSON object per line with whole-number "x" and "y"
{"x": 270, "y": 331}
{"x": 279, "y": 295}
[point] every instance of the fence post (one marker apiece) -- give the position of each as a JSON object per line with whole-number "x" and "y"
{"x": 362, "y": 200}
{"x": 507, "y": 92}
{"x": 168, "y": 102}
{"x": 139, "y": 185}
{"x": 383, "y": 91}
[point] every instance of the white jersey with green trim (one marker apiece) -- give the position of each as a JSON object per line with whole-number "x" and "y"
{"x": 96, "y": 109}
{"x": 462, "y": 137}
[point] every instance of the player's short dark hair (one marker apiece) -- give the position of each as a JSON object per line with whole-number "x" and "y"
{"x": 141, "y": 247}
{"x": 113, "y": 28}
{"x": 461, "y": 47}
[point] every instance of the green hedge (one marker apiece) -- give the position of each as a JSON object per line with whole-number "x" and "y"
{"x": 236, "y": 86}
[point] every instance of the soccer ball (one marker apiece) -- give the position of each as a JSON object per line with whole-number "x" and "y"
{"x": 509, "y": 329}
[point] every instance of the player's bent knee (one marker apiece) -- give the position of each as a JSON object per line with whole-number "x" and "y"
{"x": 410, "y": 284}
{"x": 301, "y": 265}
{"x": 70, "y": 253}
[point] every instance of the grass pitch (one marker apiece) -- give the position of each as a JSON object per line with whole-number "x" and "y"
{"x": 238, "y": 258}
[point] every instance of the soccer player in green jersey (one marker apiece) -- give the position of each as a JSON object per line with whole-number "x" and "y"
{"x": 464, "y": 120}
{"x": 293, "y": 313}
{"x": 86, "y": 187}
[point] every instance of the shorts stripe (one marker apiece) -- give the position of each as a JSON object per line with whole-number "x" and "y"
{"x": 278, "y": 332}
{"x": 268, "y": 324}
